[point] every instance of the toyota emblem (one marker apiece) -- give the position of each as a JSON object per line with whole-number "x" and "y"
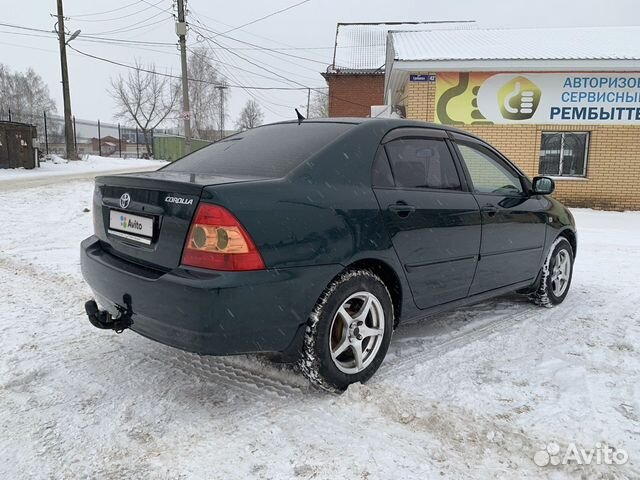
{"x": 125, "y": 200}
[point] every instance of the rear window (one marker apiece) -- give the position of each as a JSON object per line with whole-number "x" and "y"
{"x": 271, "y": 151}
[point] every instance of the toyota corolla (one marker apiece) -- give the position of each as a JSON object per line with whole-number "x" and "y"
{"x": 315, "y": 239}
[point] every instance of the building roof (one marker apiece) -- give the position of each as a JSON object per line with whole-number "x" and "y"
{"x": 361, "y": 47}
{"x": 567, "y": 49}
{"x": 573, "y": 43}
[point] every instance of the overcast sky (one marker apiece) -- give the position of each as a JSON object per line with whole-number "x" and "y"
{"x": 311, "y": 25}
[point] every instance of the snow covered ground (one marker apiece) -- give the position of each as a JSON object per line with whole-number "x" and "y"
{"x": 474, "y": 393}
{"x": 58, "y": 169}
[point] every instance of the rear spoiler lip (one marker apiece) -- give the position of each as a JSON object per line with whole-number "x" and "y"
{"x": 150, "y": 182}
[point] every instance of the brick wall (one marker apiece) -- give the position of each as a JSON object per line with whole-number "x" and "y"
{"x": 613, "y": 161}
{"x": 353, "y": 95}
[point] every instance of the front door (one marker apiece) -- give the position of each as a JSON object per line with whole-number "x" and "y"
{"x": 433, "y": 222}
{"x": 513, "y": 222}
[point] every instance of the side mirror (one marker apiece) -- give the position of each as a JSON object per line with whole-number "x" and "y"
{"x": 543, "y": 186}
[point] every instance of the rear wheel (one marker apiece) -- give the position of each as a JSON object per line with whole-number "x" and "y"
{"x": 348, "y": 332}
{"x": 556, "y": 275}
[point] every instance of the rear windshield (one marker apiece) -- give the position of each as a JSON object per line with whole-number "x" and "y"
{"x": 271, "y": 151}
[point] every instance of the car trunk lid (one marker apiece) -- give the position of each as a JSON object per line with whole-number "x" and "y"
{"x": 145, "y": 217}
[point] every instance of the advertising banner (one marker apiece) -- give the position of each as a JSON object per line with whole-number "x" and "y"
{"x": 476, "y": 98}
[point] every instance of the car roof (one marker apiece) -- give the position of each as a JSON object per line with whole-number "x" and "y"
{"x": 388, "y": 123}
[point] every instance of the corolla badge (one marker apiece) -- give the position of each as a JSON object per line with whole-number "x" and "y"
{"x": 125, "y": 200}
{"x": 179, "y": 200}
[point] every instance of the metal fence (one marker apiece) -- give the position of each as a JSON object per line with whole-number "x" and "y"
{"x": 90, "y": 137}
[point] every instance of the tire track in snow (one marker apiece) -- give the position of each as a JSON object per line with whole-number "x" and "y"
{"x": 398, "y": 366}
{"x": 259, "y": 381}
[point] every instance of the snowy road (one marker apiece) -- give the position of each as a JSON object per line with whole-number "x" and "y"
{"x": 470, "y": 394}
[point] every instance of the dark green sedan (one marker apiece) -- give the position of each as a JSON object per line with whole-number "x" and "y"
{"x": 315, "y": 239}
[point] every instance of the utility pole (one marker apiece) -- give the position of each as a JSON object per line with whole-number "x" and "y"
{"x": 68, "y": 127}
{"x": 221, "y": 89}
{"x": 308, "y": 100}
{"x": 181, "y": 31}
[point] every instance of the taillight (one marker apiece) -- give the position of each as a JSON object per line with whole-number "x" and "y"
{"x": 217, "y": 241}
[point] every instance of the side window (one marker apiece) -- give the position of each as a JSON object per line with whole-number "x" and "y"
{"x": 422, "y": 163}
{"x": 488, "y": 173}
{"x": 381, "y": 175}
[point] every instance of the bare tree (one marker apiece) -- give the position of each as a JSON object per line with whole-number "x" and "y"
{"x": 25, "y": 94}
{"x": 204, "y": 93}
{"x": 145, "y": 97}
{"x": 319, "y": 106}
{"x": 251, "y": 116}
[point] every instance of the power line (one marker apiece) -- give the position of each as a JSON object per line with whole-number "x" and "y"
{"x": 107, "y": 11}
{"x": 100, "y": 40}
{"x": 222, "y": 47}
{"x": 134, "y": 26}
{"x": 270, "y": 71}
{"x": 258, "y": 65}
{"x": 27, "y": 47}
{"x": 131, "y": 67}
{"x": 215, "y": 44}
{"x": 31, "y": 29}
{"x": 217, "y": 60}
{"x": 305, "y": 87}
{"x": 124, "y": 41}
{"x": 98, "y": 37}
{"x": 28, "y": 34}
{"x": 257, "y": 95}
{"x": 153, "y": 5}
{"x": 251, "y": 94}
{"x": 259, "y": 47}
{"x": 253, "y": 34}
{"x": 133, "y": 14}
{"x": 261, "y": 64}
{"x": 169, "y": 44}
{"x": 267, "y": 16}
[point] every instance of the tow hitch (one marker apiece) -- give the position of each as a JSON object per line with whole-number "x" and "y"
{"x": 105, "y": 321}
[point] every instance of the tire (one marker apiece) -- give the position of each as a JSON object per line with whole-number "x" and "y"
{"x": 555, "y": 276}
{"x": 354, "y": 313}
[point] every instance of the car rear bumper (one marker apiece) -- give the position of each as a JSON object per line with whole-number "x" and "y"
{"x": 211, "y": 313}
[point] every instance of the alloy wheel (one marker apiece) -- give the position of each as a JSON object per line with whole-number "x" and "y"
{"x": 561, "y": 273}
{"x": 356, "y": 332}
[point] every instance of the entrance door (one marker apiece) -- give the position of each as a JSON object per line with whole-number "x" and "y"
{"x": 4, "y": 149}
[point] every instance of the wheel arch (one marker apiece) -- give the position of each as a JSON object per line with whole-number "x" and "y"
{"x": 570, "y": 235}
{"x": 390, "y": 278}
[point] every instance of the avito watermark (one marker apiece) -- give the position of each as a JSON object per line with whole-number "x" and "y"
{"x": 602, "y": 454}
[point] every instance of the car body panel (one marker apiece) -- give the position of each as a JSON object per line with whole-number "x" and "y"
{"x": 513, "y": 236}
{"x": 309, "y": 225}
{"x": 204, "y": 311}
{"x": 438, "y": 243}
{"x": 169, "y": 199}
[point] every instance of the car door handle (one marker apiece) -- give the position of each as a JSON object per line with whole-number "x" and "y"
{"x": 402, "y": 209}
{"x": 490, "y": 210}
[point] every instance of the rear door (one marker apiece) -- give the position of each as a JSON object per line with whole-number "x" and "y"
{"x": 434, "y": 222}
{"x": 513, "y": 222}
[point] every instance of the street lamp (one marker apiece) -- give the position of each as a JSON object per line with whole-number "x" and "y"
{"x": 73, "y": 36}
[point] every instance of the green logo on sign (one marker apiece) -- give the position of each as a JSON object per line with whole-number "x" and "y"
{"x": 519, "y": 99}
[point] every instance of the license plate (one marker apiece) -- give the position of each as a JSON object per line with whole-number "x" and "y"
{"x": 132, "y": 227}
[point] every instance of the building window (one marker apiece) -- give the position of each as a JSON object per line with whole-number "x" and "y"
{"x": 564, "y": 154}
